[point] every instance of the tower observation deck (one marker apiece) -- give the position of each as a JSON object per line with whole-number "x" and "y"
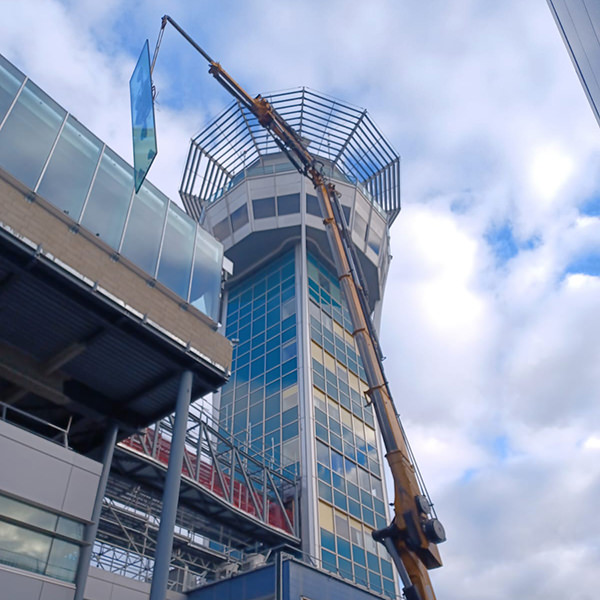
{"x": 296, "y": 393}
{"x": 235, "y": 145}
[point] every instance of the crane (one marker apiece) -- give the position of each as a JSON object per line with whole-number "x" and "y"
{"x": 415, "y": 532}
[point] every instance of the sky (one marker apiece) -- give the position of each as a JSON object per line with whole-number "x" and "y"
{"x": 490, "y": 321}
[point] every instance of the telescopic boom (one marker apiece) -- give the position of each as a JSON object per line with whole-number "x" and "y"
{"x": 412, "y": 537}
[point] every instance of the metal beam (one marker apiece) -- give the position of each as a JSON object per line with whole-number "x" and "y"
{"x": 164, "y": 543}
{"x": 91, "y": 530}
{"x": 49, "y": 367}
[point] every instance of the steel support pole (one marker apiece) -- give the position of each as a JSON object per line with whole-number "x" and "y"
{"x": 164, "y": 542}
{"x": 91, "y": 530}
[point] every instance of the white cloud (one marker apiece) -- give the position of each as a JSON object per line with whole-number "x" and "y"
{"x": 494, "y": 367}
{"x": 549, "y": 171}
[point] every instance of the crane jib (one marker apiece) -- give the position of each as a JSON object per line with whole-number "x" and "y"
{"x": 412, "y": 538}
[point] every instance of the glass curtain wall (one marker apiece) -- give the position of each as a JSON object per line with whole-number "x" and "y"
{"x": 259, "y": 404}
{"x": 38, "y": 540}
{"x": 350, "y": 486}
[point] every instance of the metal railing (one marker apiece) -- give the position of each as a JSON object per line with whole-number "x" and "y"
{"x": 213, "y": 461}
{"x": 25, "y": 420}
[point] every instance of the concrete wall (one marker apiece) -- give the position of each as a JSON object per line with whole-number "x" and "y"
{"x": 47, "y": 474}
{"x": 20, "y": 585}
{"x": 50, "y": 476}
{"x": 102, "y": 585}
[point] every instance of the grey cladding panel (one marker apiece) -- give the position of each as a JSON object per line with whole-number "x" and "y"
{"x": 18, "y": 585}
{"x": 46, "y": 473}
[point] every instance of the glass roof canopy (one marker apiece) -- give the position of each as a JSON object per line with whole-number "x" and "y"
{"x": 343, "y": 136}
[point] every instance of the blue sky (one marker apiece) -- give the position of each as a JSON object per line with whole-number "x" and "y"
{"x": 493, "y": 359}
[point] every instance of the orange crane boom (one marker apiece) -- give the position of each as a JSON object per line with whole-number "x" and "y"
{"x": 412, "y": 537}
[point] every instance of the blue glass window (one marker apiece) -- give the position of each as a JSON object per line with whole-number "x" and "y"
{"x": 389, "y": 588}
{"x": 323, "y": 473}
{"x": 289, "y": 416}
{"x": 375, "y": 581}
{"x": 290, "y": 431}
{"x": 325, "y": 491}
{"x": 322, "y": 432}
{"x": 360, "y": 575}
{"x": 272, "y": 424}
{"x": 354, "y": 508}
{"x": 327, "y": 540}
{"x": 339, "y": 499}
{"x": 312, "y": 205}
{"x": 343, "y": 547}
{"x": 358, "y": 554}
{"x": 338, "y": 482}
{"x": 372, "y": 561}
{"x": 345, "y": 568}
{"x": 272, "y": 406}
{"x": 322, "y": 453}
{"x": 263, "y": 208}
{"x": 239, "y": 217}
{"x": 329, "y": 561}
{"x": 386, "y": 569}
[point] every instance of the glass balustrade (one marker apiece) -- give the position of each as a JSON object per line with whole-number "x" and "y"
{"x": 49, "y": 151}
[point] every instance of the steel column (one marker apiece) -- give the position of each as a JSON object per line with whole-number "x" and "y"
{"x": 91, "y": 530}
{"x": 164, "y": 542}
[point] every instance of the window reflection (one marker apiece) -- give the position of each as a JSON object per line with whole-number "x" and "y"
{"x": 143, "y": 232}
{"x": 28, "y": 134}
{"x": 53, "y": 552}
{"x": 177, "y": 252}
{"x": 106, "y": 208}
{"x": 11, "y": 80}
{"x": 74, "y": 160}
{"x": 206, "y": 276}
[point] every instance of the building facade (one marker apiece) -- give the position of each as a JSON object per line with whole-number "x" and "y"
{"x": 109, "y": 304}
{"x": 296, "y": 395}
{"x": 579, "y": 24}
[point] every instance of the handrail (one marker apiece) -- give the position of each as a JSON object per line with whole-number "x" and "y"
{"x": 64, "y": 433}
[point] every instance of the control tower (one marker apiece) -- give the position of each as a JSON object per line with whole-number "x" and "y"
{"x": 296, "y": 393}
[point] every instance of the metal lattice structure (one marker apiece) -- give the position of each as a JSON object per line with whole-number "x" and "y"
{"x": 233, "y": 506}
{"x": 344, "y": 138}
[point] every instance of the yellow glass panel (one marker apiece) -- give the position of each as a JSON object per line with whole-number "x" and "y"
{"x": 353, "y": 381}
{"x": 319, "y": 397}
{"x": 338, "y": 329}
{"x": 329, "y": 362}
{"x": 370, "y": 434}
{"x": 346, "y": 417}
{"x": 325, "y": 516}
{"x": 359, "y": 428}
{"x": 316, "y": 352}
{"x": 290, "y": 397}
{"x": 334, "y": 408}
{"x": 291, "y": 391}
